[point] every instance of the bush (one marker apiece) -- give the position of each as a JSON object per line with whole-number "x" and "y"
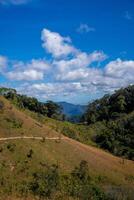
{"x": 69, "y": 132}
{"x": 45, "y": 184}
{"x": 30, "y": 153}
{"x": 11, "y": 147}
{"x": 15, "y": 122}
{"x": 1, "y": 106}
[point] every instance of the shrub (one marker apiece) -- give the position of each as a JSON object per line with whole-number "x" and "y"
{"x": 15, "y": 122}
{"x": 46, "y": 183}
{"x": 11, "y": 147}
{"x": 1, "y": 106}
{"x": 30, "y": 153}
{"x": 69, "y": 132}
{"x": 1, "y": 149}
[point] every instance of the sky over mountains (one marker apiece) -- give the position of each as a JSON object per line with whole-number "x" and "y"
{"x": 63, "y": 64}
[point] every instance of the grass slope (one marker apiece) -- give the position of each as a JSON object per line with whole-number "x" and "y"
{"x": 106, "y": 168}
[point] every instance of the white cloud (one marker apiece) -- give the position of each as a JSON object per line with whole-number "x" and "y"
{"x": 120, "y": 69}
{"x": 50, "y": 90}
{"x": 65, "y": 67}
{"x": 114, "y": 75}
{"x": 3, "y": 62}
{"x": 33, "y": 70}
{"x": 128, "y": 15}
{"x": 57, "y": 45}
{"x": 69, "y": 72}
{"x": 14, "y": 2}
{"x": 28, "y": 75}
{"x": 85, "y": 28}
{"x": 39, "y": 65}
{"x": 73, "y": 75}
{"x": 77, "y": 67}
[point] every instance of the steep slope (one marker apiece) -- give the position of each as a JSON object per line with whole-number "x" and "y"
{"x": 14, "y": 122}
{"x": 106, "y": 168}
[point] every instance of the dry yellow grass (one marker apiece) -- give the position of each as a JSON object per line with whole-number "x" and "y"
{"x": 68, "y": 153}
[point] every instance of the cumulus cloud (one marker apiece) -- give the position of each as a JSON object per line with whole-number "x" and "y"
{"x": 77, "y": 67}
{"x": 68, "y": 68}
{"x": 69, "y": 72}
{"x": 26, "y": 75}
{"x": 57, "y": 45}
{"x": 39, "y": 65}
{"x": 120, "y": 69}
{"x": 30, "y": 71}
{"x": 114, "y": 75}
{"x": 14, "y": 2}
{"x": 85, "y": 28}
{"x": 50, "y": 90}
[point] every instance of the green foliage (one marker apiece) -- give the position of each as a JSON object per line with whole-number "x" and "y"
{"x": 30, "y": 153}
{"x": 122, "y": 101}
{"x": 4, "y": 91}
{"x": 50, "y": 183}
{"x": 116, "y": 112}
{"x": 15, "y": 122}
{"x": 78, "y": 132}
{"x": 69, "y": 132}
{"x": 53, "y": 109}
{"x": 44, "y": 184}
{"x": 77, "y": 184}
{"x": 11, "y": 147}
{"x": 49, "y": 108}
{"x": 118, "y": 137}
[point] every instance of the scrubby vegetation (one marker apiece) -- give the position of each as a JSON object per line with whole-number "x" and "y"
{"x": 50, "y": 183}
{"x": 114, "y": 114}
{"x": 46, "y": 169}
{"x": 78, "y": 132}
{"x": 77, "y": 184}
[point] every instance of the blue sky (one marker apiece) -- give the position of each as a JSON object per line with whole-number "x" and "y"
{"x": 71, "y": 51}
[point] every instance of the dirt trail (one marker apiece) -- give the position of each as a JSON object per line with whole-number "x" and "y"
{"x": 30, "y": 137}
{"x": 91, "y": 151}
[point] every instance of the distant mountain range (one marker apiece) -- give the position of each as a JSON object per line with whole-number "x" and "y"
{"x": 71, "y": 109}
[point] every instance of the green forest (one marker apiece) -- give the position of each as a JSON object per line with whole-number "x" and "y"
{"x": 115, "y": 115}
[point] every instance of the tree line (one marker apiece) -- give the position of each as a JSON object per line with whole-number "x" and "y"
{"x": 49, "y": 108}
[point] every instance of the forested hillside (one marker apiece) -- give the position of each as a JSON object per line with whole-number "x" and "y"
{"x": 115, "y": 114}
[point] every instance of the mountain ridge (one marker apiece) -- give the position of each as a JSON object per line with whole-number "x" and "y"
{"x": 71, "y": 109}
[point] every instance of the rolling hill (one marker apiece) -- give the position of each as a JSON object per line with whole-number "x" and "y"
{"x": 108, "y": 171}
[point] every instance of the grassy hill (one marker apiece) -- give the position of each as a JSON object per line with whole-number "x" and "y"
{"x": 20, "y": 159}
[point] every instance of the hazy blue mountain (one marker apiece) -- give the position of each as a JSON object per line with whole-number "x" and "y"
{"x": 71, "y": 109}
